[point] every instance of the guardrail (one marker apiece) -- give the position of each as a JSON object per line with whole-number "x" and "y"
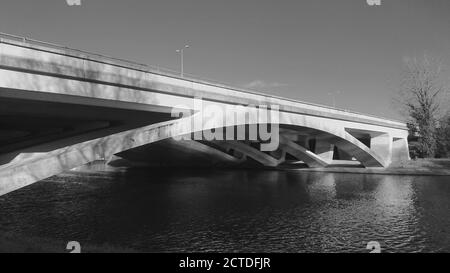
{"x": 161, "y": 71}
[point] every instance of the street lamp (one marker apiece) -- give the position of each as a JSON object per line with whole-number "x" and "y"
{"x": 333, "y": 95}
{"x": 181, "y": 51}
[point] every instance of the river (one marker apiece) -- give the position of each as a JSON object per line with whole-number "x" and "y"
{"x": 170, "y": 210}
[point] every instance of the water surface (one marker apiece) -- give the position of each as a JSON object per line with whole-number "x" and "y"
{"x": 234, "y": 211}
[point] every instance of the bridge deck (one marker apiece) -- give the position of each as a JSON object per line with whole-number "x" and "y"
{"x": 187, "y": 86}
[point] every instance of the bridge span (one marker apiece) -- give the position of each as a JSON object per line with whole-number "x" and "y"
{"x": 61, "y": 108}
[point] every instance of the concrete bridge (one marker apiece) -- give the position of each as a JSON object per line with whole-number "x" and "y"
{"x": 61, "y": 108}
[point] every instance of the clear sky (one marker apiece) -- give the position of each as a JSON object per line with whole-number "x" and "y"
{"x": 302, "y": 49}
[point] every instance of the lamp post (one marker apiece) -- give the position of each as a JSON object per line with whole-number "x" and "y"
{"x": 181, "y": 51}
{"x": 333, "y": 96}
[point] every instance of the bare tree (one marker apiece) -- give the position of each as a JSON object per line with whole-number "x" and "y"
{"x": 419, "y": 97}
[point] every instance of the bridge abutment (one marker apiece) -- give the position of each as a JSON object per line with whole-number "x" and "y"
{"x": 382, "y": 146}
{"x": 400, "y": 150}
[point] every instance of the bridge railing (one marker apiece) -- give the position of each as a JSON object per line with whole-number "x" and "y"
{"x": 29, "y": 42}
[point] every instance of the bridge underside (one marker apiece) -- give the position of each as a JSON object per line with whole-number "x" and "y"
{"x": 42, "y": 139}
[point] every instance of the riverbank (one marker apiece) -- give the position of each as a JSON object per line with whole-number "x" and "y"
{"x": 424, "y": 167}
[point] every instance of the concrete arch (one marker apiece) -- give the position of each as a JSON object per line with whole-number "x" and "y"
{"x": 335, "y": 133}
{"x": 29, "y": 169}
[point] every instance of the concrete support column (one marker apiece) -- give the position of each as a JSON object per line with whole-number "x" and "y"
{"x": 279, "y": 154}
{"x": 381, "y": 145}
{"x": 304, "y": 142}
{"x": 299, "y": 152}
{"x": 400, "y": 149}
{"x": 343, "y": 155}
{"x": 249, "y": 151}
{"x": 324, "y": 149}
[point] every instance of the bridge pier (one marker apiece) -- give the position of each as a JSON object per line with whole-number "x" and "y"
{"x": 400, "y": 150}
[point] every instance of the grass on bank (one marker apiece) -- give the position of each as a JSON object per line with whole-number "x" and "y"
{"x": 422, "y": 163}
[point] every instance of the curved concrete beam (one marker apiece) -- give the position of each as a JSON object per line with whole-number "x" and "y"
{"x": 251, "y": 152}
{"x": 182, "y": 152}
{"x": 17, "y": 174}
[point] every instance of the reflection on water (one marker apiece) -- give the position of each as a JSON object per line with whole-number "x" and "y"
{"x": 229, "y": 210}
